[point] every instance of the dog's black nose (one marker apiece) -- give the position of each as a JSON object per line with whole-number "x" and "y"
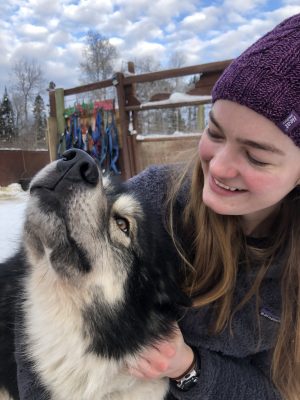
{"x": 77, "y": 165}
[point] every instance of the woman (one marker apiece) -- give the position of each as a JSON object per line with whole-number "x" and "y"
{"x": 239, "y": 236}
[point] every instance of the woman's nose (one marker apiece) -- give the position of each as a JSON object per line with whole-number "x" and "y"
{"x": 224, "y": 163}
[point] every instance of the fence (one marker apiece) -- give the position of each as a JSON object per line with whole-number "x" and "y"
{"x": 137, "y": 152}
{"x": 18, "y": 165}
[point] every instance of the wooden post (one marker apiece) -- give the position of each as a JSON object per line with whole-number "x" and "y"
{"x": 60, "y": 108}
{"x": 130, "y": 91}
{"x": 52, "y": 138}
{"x": 200, "y": 118}
{"x": 129, "y": 170}
{"x": 52, "y": 103}
{"x": 56, "y": 121}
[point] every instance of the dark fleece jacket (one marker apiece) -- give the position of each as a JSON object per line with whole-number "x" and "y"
{"x": 234, "y": 366}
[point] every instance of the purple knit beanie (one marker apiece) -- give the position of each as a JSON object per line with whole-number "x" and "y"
{"x": 266, "y": 78}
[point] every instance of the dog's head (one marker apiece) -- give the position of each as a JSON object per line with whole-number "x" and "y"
{"x": 99, "y": 241}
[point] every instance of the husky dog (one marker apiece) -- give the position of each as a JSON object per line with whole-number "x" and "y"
{"x": 92, "y": 285}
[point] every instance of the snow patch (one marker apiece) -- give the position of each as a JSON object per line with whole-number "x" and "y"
{"x": 22, "y": 149}
{"x": 12, "y": 214}
{"x": 12, "y": 191}
{"x": 177, "y": 98}
{"x": 176, "y": 134}
{"x": 13, "y": 202}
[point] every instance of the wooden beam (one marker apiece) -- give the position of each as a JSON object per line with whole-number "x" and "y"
{"x": 152, "y": 76}
{"x": 177, "y": 72}
{"x": 89, "y": 87}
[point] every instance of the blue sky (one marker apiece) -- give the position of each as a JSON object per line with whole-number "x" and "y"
{"x": 53, "y": 32}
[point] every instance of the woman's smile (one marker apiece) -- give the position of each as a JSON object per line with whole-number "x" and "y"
{"x": 222, "y": 189}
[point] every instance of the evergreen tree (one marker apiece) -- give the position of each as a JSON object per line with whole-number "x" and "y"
{"x": 7, "y": 126}
{"x": 40, "y": 122}
{"x": 2, "y": 127}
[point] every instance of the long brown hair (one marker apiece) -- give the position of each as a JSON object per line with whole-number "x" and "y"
{"x": 217, "y": 245}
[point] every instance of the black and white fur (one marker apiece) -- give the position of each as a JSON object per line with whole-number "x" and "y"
{"x": 93, "y": 284}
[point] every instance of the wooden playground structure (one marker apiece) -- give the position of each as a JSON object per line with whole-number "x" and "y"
{"x": 138, "y": 152}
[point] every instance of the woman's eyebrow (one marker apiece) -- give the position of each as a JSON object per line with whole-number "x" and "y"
{"x": 248, "y": 142}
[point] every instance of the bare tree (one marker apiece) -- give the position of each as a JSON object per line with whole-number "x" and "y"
{"x": 28, "y": 80}
{"x": 177, "y": 60}
{"x": 99, "y": 56}
{"x": 18, "y": 107}
{"x": 146, "y": 90}
{"x": 150, "y": 121}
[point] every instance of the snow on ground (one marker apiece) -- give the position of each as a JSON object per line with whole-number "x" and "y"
{"x": 13, "y": 202}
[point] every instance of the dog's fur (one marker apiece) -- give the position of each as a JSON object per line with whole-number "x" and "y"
{"x": 93, "y": 284}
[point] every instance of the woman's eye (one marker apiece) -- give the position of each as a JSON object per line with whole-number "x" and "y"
{"x": 213, "y": 135}
{"x": 123, "y": 224}
{"x": 255, "y": 161}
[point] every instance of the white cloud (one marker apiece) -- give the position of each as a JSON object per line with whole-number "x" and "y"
{"x": 64, "y": 77}
{"x": 117, "y": 42}
{"x": 284, "y": 12}
{"x": 133, "y": 9}
{"x": 145, "y": 28}
{"x": 24, "y": 13}
{"x": 30, "y": 50}
{"x": 165, "y": 11}
{"x": 243, "y": 6}
{"x": 44, "y": 7}
{"x": 113, "y": 24}
{"x": 147, "y": 49}
{"x": 31, "y": 30}
{"x": 291, "y": 2}
{"x": 59, "y": 38}
{"x": 202, "y": 21}
{"x": 235, "y": 18}
{"x": 171, "y": 27}
{"x": 194, "y": 20}
{"x": 53, "y": 23}
{"x": 87, "y": 11}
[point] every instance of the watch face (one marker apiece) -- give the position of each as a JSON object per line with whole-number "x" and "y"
{"x": 188, "y": 383}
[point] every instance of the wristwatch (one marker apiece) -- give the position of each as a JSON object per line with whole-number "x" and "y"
{"x": 190, "y": 377}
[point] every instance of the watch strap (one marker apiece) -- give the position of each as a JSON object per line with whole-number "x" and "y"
{"x": 190, "y": 377}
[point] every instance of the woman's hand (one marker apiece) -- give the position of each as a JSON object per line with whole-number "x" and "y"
{"x": 167, "y": 358}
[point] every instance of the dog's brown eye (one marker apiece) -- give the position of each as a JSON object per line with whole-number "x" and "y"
{"x": 123, "y": 224}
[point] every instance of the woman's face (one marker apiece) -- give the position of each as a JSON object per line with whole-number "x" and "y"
{"x": 249, "y": 165}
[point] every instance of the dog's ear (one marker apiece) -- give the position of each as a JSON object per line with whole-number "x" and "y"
{"x": 180, "y": 298}
{"x": 184, "y": 300}
{"x": 175, "y": 296}
{"x": 169, "y": 290}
